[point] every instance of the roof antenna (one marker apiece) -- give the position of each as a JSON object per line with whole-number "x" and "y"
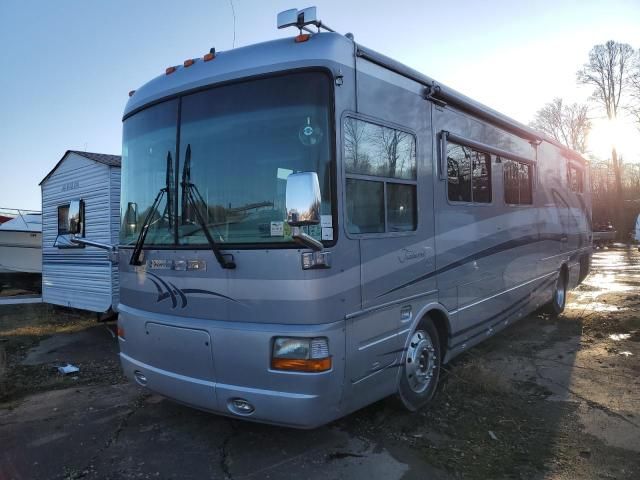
{"x": 233, "y": 10}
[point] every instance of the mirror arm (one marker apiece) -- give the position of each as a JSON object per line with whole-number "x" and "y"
{"x": 111, "y": 249}
{"x": 91, "y": 243}
{"x": 306, "y": 240}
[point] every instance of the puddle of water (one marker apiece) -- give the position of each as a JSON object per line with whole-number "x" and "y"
{"x": 605, "y": 283}
{"x": 619, "y": 336}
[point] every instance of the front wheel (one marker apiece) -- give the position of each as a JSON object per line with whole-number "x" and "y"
{"x": 421, "y": 368}
{"x": 559, "y": 299}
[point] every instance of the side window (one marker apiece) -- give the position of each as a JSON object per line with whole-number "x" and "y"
{"x": 63, "y": 219}
{"x": 380, "y": 164}
{"x": 469, "y": 174}
{"x": 517, "y": 183}
{"x": 576, "y": 179}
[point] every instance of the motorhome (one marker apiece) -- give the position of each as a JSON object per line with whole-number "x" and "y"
{"x": 309, "y": 226}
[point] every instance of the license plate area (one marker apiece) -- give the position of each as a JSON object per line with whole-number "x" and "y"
{"x": 185, "y": 351}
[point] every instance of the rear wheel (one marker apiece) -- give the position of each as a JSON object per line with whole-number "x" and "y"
{"x": 559, "y": 299}
{"x": 421, "y": 368}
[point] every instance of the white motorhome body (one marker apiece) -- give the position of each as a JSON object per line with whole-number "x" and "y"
{"x": 429, "y": 222}
{"x": 74, "y": 275}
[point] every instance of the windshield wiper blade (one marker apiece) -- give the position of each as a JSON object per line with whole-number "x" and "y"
{"x": 137, "y": 250}
{"x": 188, "y": 190}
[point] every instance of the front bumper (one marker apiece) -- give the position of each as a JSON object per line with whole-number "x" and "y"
{"x": 208, "y": 364}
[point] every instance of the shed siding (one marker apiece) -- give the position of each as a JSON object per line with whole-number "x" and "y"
{"x": 115, "y": 230}
{"x": 78, "y": 277}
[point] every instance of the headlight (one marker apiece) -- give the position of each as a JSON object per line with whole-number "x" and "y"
{"x": 301, "y": 354}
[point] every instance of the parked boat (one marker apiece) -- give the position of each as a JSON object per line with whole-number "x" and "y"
{"x": 21, "y": 242}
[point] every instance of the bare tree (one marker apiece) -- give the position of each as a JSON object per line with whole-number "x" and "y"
{"x": 634, "y": 82}
{"x": 608, "y": 71}
{"x": 568, "y": 124}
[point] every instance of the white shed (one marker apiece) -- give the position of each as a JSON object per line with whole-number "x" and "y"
{"x": 73, "y": 275}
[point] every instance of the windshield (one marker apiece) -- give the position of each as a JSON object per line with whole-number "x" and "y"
{"x": 237, "y": 145}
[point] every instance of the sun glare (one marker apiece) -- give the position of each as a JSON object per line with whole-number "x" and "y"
{"x": 620, "y": 133}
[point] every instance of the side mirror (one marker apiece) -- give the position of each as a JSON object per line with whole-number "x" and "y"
{"x": 76, "y": 217}
{"x": 303, "y": 199}
{"x": 131, "y": 216}
{"x": 303, "y": 206}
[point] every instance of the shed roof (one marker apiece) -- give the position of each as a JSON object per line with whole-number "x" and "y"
{"x": 104, "y": 158}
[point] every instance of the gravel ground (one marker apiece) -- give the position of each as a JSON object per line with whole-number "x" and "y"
{"x": 547, "y": 398}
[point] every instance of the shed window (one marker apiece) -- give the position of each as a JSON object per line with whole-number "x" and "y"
{"x": 380, "y": 165}
{"x": 517, "y": 183}
{"x": 63, "y": 219}
{"x": 469, "y": 174}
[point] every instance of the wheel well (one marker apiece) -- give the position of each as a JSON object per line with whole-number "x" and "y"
{"x": 565, "y": 270}
{"x": 441, "y": 322}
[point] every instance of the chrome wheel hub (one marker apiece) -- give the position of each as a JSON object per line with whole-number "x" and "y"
{"x": 420, "y": 363}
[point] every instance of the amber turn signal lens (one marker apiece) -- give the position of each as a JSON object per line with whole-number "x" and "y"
{"x": 303, "y": 37}
{"x": 189, "y": 62}
{"x": 209, "y": 56}
{"x": 170, "y": 70}
{"x": 120, "y": 332}
{"x": 300, "y": 365}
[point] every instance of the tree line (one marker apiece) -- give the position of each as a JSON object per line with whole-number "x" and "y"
{"x": 613, "y": 72}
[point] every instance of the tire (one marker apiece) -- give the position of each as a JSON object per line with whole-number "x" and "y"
{"x": 421, "y": 367}
{"x": 559, "y": 299}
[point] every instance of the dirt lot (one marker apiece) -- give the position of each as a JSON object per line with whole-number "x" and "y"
{"x": 546, "y": 398}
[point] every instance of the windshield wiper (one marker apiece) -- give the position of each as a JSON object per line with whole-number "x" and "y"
{"x": 188, "y": 190}
{"x": 168, "y": 211}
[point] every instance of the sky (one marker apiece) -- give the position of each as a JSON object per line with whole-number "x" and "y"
{"x": 68, "y": 65}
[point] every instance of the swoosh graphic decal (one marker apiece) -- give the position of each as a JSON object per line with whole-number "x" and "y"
{"x": 206, "y": 292}
{"x": 511, "y": 244}
{"x": 166, "y": 290}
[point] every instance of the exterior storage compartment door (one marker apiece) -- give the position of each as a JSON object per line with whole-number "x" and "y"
{"x": 183, "y": 351}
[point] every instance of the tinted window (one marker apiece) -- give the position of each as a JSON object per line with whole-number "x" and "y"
{"x": 365, "y": 206}
{"x": 469, "y": 174}
{"x": 517, "y": 183}
{"x": 401, "y": 207}
{"x": 239, "y": 143}
{"x": 148, "y": 156}
{"x": 372, "y": 149}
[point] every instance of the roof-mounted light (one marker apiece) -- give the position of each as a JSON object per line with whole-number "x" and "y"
{"x": 131, "y": 92}
{"x": 170, "y": 70}
{"x": 210, "y": 56}
{"x": 189, "y": 62}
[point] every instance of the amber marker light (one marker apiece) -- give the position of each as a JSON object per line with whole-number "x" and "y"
{"x": 303, "y": 37}
{"x": 209, "y": 56}
{"x": 170, "y": 70}
{"x": 120, "y": 332}
{"x": 321, "y": 365}
{"x": 189, "y": 62}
